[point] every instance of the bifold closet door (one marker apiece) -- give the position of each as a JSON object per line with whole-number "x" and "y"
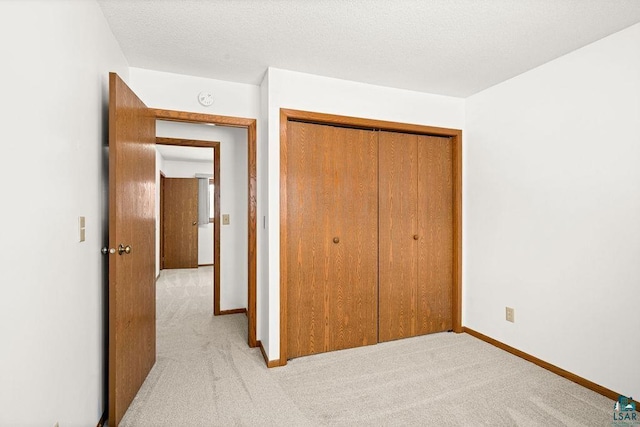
{"x": 398, "y": 192}
{"x": 331, "y": 238}
{"x": 416, "y": 235}
{"x": 435, "y": 228}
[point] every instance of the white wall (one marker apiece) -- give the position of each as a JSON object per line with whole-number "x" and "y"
{"x": 55, "y": 62}
{"x": 552, "y": 208}
{"x": 189, "y": 169}
{"x": 234, "y": 196}
{"x": 234, "y": 273}
{"x": 179, "y": 92}
{"x": 262, "y": 249}
{"x": 288, "y": 89}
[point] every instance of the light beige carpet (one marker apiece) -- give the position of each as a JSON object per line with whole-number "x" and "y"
{"x": 205, "y": 375}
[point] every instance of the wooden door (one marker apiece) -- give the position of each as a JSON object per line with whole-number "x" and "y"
{"x": 132, "y": 296}
{"x": 398, "y": 192}
{"x": 180, "y": 231}
{"x": 416, "y": 235}
{"x": 435, "y": 228}
{"x": 331, "y": 239}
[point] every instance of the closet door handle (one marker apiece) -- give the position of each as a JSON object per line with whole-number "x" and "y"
{"x": 415, "y": 237}
{"x": 336, "y": 240}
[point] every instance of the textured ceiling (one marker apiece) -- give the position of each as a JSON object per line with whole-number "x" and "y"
{"x": 450, "y": 47}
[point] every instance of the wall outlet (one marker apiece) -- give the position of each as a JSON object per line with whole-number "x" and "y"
{"x": 225, "y": 219}
{"x": 56, "y": 425}
{"x": 510, "y": 315}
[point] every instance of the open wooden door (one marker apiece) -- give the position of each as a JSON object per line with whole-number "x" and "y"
{"x": 180, "y": 223}
{"x": 132, "y": 294}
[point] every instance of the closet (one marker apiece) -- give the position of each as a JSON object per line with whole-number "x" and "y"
{"x": 367, "y": 239}
{"x": 416, "y": 235}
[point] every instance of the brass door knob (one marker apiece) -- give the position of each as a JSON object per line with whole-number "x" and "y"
{"x": 194, "y": 222}
{"x": 415, "y": 237}
{"x": 122, "y": 249}
{"x": 336, "y": 240}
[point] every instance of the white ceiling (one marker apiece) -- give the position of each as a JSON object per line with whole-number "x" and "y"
{"x": 185, "y": 154}
{"x": 450, "y": 47}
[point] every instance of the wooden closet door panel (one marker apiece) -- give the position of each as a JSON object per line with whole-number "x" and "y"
{"x": 435, "y": 221}
{"x": 310, "y": 212}
{"x": 398, "y": 192}
{"x": 331, "y": 193}
{"x": 353, "y": 292}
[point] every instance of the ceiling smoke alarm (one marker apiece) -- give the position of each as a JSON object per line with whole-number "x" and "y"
{"x": 205, "y": 98}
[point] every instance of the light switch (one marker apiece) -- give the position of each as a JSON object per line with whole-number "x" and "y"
{"x": 81, "y": 228}
{"x": 225, "y": 219}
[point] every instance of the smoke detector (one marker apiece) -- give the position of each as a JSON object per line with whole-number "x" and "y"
{"x": 205, "y": 98}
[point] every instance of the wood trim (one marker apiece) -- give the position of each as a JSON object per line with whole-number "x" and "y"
{"x": 250, "y": 125}
{"x": 233, "y": 311}
{"x": 284, "y": 120}
{"x": 546, "y": 365}
{"x": 456, "y": 296}
{"x": 190, "y": 117}
{"x": 216, "y": 230}
{"x": 205, "y": 265}
{"x": 456, "y": 138}
{"x": 252, "y": 225}
{"x": 186, "y": 142}
{"x": 102, "y": 422}
{"x": 358, "y": 122}
{"x": 269, "y": 363}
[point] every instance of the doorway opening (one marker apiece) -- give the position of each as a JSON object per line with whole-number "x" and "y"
{"x": 204, "y": 150}
{"x": 250, "y": 126}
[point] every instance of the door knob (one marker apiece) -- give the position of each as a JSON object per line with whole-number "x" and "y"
{"x": 106, "y": 251}
{"x": 415, "y": 237}
{"x": 194, "y": 223}
{"x": 123, "y": 249}
{"x": 336, "y": 240}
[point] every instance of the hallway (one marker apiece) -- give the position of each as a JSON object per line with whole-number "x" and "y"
{"x": 204, "y": 374}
